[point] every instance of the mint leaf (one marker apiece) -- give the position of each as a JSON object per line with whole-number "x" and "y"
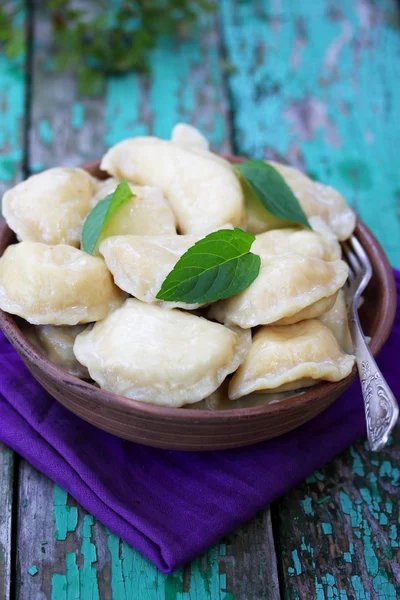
{"x": 272, "y": 191}
{"x": 216, "y": 267}
{"x": 100, "y": 215}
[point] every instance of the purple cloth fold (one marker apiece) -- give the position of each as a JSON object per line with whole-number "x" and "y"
{"x": 171, "y": 506}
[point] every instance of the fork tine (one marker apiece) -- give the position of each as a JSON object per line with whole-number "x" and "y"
{"x": 352, "y": 258}
{"x": 362, "y": 255}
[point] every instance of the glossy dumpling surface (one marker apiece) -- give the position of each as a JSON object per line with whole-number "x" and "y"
{"x": 285, "y": 286}
{"x": 337, "y": 321}
{"x": 140, "y": 264}
{"x": 160, "y": 356}
{"x": 285, "y": 241}
{"x": 316, "y": 199}
{"x": 50, "y": 207}
{"x": 56, "y": 285}
{"x": 290, "y": 357}
{"x": 57, "y": 343}
{"x": 148, "y": 213}
{"x": 204, "y": 192}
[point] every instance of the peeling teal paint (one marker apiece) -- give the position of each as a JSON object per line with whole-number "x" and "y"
{"x": 326, "y": 528}
{"x": 33, "y": 570}
{"x": 358, "y": 588}
{"x": 307, "y": 505}
{"x": 296, "y": 562}
{"x": 58, "y": 587}
{"x": 45, "y": 132}
{"x": 78, "y": 115}
{"x": 72, "y": 574}
{"x": 358, "y": 468}
{"x": 65, "y": 517}
{"x": 89, "y": 589}
{"x": 392, "y": 473}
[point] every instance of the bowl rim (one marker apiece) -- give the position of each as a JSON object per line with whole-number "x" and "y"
{"x": 378, "y": 259}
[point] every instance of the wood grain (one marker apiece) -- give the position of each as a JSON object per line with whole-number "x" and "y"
{"x": 12, "y": 97}
{"x": 6, "y": 504}
{"x": 187, "y": 85}
{"x": 313, "y": 84}
{"x": 337, "y": 533}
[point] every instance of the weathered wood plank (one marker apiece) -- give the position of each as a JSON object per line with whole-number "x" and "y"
{"x": 338, "y": 532}
{"x": 314, "y": 83}
{"x": 6, "y": 503}
{"x": 12, "y": 97}
{"x": 187, "y": 84}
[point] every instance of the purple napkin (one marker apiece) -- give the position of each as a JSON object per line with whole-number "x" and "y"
{"x": 171, "y": 506}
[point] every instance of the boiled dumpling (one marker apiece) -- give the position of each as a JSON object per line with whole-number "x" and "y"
{"x": 56, "y": 285}
{"x": 188, "y": 136}
{"x": 160, "y": 356}
{"x": 290, "y": 357}
{"x": 285, "y": 241}
{"x": 285, "y": 286}
{"x": 337, "y": 321}
{"x": 50, "y": 207}
{"x": 56, "y": 343}
{"x": 148, "y": 213}
{"x": 317, "y": 309}
{"x": 204, "y": 193}
{"x": 140, "y": 264}
{"x": 316, "y": 199}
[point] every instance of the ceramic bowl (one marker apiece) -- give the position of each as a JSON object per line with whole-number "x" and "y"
{"x": 188, "y": 428}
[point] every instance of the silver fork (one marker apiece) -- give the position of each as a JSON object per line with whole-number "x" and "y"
{"x": 381, "y": 408}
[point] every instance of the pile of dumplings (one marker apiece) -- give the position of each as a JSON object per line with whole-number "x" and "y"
{"x": 98, "y": 317}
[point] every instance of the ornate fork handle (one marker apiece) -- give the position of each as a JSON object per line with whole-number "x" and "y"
{"x": 381, "y": 409}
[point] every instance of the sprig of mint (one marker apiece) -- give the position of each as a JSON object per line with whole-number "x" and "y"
{"x": 101, "y": 214}
{"x": 272, "y": 191}
{"x": 218, "y": 266}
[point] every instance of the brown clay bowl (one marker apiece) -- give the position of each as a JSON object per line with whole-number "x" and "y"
{"x": 190, "y": 429}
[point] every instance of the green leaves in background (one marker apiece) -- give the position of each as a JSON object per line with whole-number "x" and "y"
{"x": 100, "y": 215}
{"x": 218, "y": 266}
{"x": 104, "y": 38}
{"x": 272, "y": 191}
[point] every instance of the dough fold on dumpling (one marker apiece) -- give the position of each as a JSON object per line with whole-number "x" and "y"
{"x": 290, "y": 357}
{"x": 316, "y": 199}
{"x": 140, "y": 264}
{"x": 56, "y": 343}
{"x": 337, "y": 321}
{"x": 148, "y": 213}
{"x": 278, "y": 242}
{"x": 188, "y": 136}
{"x": 165, "y": 357}
{"x": 56, "y": 285}
{"x": 50, "y": 207}
{"x": 285, "y": 286}
{"x": 204, "y": 192}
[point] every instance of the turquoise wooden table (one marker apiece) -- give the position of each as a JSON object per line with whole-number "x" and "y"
{"x": 318, "y": 84}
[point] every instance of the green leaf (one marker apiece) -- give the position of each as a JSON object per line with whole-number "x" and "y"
{"x": 272, "y": 191}
{"x": 216, "y": 267}
{"x": 101, "y": 214}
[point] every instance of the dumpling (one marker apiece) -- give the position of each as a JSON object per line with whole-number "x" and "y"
{"x": 315, "y": 198}
{"x": 160, "y": 356}
{"x": 188, "y": 136}
{"x": 50, "y": 207}
{"x": 337, "y": 321}
{"x": 284, "y": 241}
{"x": 140, "y": 264}
{"x": 290, "y": 357}
{"x": 56, "y": 285}
{"x": 56, "y": 343}
{"x": 204, "y": 193}
{"x": 148, "y": 213}
{"x": 285, "y": 286}
{"x": 317, "y": 309}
